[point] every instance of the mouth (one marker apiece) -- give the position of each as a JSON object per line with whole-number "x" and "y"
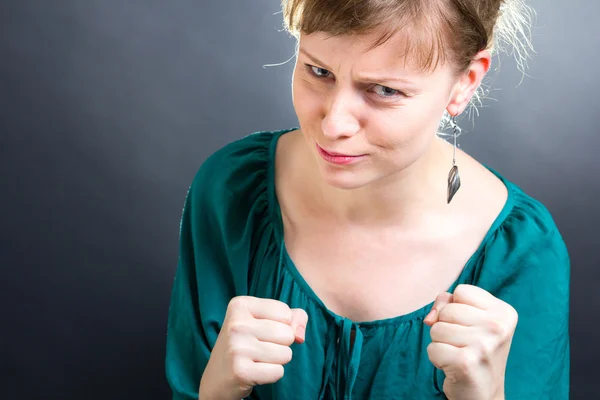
{"x": 339, "y": 158}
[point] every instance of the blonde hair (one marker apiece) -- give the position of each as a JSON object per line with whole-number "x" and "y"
{"x": 441, "y": 31}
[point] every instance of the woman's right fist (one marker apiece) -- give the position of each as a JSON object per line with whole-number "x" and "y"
{"x": 252, "y": 347}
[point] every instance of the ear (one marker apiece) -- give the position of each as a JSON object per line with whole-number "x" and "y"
{"x": 468, "y": 82}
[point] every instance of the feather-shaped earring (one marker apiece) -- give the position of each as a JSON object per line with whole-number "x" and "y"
{"x": 453, "y": 176}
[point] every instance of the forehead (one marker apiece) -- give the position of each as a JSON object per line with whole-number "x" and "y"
{"x": 403, "y": 49}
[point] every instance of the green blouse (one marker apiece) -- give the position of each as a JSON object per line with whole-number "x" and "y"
{"x": 231, "y": 244}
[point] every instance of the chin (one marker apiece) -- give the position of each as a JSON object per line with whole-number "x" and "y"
{"x": 344, "y": 179}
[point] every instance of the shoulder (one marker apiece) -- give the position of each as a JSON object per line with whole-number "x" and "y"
{"x": 237, "y": 173}
{"x": 531, "y": 224}
{"x": 230, "y": 197}
{"x": 524, "y": 220}
{"x": 526, "y": 247}
{"x": 513, "y": 219}
{"x": 527, "y": 266}
{"x": 231, "y": 165}
{"x": 226, "y": 216}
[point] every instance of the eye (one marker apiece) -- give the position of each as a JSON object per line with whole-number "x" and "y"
{"x": 383, "y": 92}
{"x": 318, "y": 72}
{"x": 386, "y": 92}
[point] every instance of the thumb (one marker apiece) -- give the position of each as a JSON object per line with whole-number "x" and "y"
{"x": 441, "y": 301}
{"x": 299, "y": 321}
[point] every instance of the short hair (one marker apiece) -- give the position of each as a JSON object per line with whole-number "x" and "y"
{"x": 439, "y": 31}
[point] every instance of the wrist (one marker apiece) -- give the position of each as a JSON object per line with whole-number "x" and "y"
{"x": 499, "y": 395}
{"x": 210, "y": 389}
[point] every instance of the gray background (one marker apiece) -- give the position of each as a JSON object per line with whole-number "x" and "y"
{"x": 107, "y": 109}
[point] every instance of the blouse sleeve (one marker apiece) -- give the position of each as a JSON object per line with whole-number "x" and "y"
{"x": 532, "y": 274}
{"x": 216, "y": 235}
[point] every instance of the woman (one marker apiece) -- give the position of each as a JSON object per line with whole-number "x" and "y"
{"x": 371, "y": 258}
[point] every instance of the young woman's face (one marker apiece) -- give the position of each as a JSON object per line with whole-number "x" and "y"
{"x": 365, "y": 104}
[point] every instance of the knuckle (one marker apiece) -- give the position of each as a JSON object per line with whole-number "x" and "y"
{"x": 238, "y": 303}
{"x": 285, "y": 334}
{"x": 280, "y": 310}
{"x": 487, "y": 349}
{"x": 468, "y": 362}
{"x": 288, "y": 354}
{"x": 288, "y": 334}
{"x": 501, "y": 329}
{"x": 282, "y": 305}
{"x": 279, "y": 371}
{"x": 461, "y": 290}
{"x": 285, "y": 311}
{"x": 513, "y": 316}
{"x": 446, "y": 313}
{"x": 497, "y": 328}
{"x": 435, "y": 330}
{"x": 430, "y": 349}
{"x": 239, "y": 369}
{"x": 239, "y": 326}
{"x": 236, "y": 351}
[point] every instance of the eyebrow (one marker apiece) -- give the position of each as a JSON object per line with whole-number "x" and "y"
{"x": 365, "y": 78}
{"x": 314, "y": 59}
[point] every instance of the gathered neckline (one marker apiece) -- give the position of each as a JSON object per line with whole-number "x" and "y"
{"x": 288, "y": 263}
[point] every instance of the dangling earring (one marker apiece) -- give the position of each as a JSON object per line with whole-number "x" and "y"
{"x": 453, "y": 176}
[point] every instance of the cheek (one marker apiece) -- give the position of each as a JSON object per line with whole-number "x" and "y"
{"x": 404, "y": 132}
{"x": 393, "y": 129}
{"x": 307, "y": 102}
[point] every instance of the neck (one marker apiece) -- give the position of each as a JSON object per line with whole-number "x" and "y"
{"x": 405, "y": 198}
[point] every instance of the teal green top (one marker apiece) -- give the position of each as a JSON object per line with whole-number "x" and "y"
{"x": 231, "y": 244}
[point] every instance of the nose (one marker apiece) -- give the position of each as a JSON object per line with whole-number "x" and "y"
{"x": 340, "y": 120}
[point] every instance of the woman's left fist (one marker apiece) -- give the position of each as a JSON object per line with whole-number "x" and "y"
{"x": 471, "y": 333}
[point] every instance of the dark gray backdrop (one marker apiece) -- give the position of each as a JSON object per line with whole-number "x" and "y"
{"x": 107, "y": 109}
